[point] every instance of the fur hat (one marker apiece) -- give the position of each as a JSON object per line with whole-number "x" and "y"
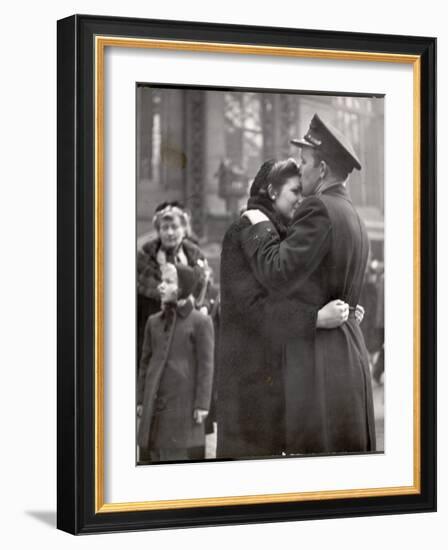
{"x": 188, "y": 278}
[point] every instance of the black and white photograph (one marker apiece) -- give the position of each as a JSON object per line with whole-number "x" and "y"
{"x": 259, "y": 273}
{"x": 223, "y": 224}
{"x": 246, "y": 274}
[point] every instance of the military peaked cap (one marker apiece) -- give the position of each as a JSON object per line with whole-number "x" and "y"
{"x": 332, "y": 145}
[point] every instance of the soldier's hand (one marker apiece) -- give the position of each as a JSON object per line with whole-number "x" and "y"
{"x": 332, "y": 315}
{"x": 199, "y": 415}
{"x": 255, "y": 216}
{"x": 139, "y": 410}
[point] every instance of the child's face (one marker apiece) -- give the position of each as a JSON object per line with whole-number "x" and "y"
{"x": 168, "y": 288}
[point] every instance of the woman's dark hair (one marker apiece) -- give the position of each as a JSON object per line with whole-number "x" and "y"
{"x": 164, "y": 204}
{"x": 273, "y": 173}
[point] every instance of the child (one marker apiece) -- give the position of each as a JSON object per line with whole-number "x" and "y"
{"x": 176, "y": 372}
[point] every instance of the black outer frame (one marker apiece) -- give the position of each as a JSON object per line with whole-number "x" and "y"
{"x": 75, "y": 172}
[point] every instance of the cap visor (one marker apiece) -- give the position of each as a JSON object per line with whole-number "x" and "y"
{"x": 302, "y": 143}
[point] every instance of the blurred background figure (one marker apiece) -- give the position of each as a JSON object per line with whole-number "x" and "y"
{"x": 171, "y": 241}
{"x": 372, "y": 300}
{"x": 378, "y": 365}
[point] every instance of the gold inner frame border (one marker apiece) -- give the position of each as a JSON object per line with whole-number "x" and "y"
{"x": 101, "y": 42}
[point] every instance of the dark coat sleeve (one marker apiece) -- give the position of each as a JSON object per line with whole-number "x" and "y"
{"x": 204, "y": 346}
{"x": 294, "y": 259}
{"x": 239, "y": 287}
{"x": 144, "y": 361}
{"x": 291, "y": 318}
{"x": 148, "y": 274}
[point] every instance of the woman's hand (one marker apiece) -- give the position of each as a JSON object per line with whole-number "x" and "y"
{"x": 199, "y": 415}
{"x": 332, "y": 315}
{"x": 255, "y": 216}
{"x": 359, "y": 314}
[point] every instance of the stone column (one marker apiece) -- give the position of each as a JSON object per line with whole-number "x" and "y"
{"x": 195, "y": 157}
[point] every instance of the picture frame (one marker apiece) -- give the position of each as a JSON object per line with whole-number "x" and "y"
{"x": 82, "y": 41}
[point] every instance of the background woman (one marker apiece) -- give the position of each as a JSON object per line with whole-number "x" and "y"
{"x": 171, "y": 244}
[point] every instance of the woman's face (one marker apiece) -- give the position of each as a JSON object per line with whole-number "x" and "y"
{"x": 288, "y": 198}
{"x": 171, "y": 233}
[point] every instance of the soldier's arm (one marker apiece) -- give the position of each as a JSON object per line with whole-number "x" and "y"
{"x": 276, "y": 263}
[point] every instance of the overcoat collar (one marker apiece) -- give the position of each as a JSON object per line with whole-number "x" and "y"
{"x": 337, "y": 190}
{"x": 152, "y": 246}
{"x": 185, "y": 309}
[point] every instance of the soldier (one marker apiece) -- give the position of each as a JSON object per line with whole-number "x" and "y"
{"x": 328, "y": 394}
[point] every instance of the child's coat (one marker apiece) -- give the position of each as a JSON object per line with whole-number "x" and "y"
{"x": 176, "y": 376}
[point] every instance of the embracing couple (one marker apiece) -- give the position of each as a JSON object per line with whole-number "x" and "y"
{"x": 293, "y": 375}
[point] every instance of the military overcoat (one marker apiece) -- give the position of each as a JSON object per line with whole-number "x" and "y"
{"x": 328, "y": 394}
